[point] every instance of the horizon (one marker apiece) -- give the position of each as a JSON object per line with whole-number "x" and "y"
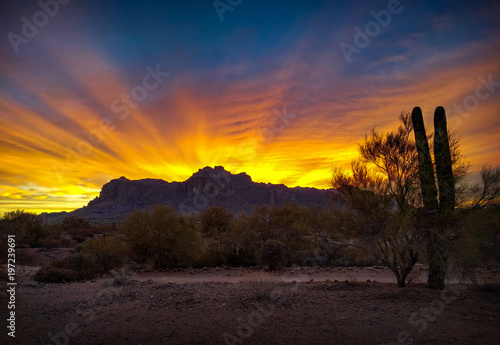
{"x": 282, "y": 91}
{"x": 213, "y": 177}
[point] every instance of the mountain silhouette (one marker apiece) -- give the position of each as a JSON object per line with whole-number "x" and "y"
{"x": 207, "y": 187}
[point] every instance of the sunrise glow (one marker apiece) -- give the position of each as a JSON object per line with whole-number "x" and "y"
{"x": 267, "y": 91}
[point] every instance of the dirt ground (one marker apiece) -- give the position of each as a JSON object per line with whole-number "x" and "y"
{"x": 241, "y": 306}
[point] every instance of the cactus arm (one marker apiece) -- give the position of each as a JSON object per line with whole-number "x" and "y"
{"x": 442, "y": 157}
{"x": 425, "y": 168}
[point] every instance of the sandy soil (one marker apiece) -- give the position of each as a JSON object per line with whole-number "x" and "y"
{"x": 236, "y": 306}
{"x": 286, "y": 275}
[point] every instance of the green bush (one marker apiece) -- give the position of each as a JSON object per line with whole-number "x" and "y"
{"x": 74, "y": 222}
{"x": 215, "y": 221}
{"x": 162, "y": 238}
{"x": 53, "y": 243}
{"x": 271, "y": 254}
{"x": 474, "y": 242}
{"x": 77, "y": 262}
{"x": 98, "y": 256}
{"x": 105, "y": 252}
{"x": 75, "y": 267}
{"x": 80, "y": 235}
{"x": 28, "y": 227}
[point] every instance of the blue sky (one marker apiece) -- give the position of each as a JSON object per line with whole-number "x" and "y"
{"x": 267, "y": 91}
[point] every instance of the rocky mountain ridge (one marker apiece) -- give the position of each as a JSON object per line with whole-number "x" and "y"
{"x": 207, "y": 187}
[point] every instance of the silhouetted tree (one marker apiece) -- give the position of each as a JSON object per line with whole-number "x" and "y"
{"x": 378, "y": 220}
{"x": 271, "y": 254}
{"x": 75, "y": 222}
{"x": 215, "y": 220}
{"x": 28, "y": 227}
{"x": 162, "y": 237}
{"x": 487, "y": 193}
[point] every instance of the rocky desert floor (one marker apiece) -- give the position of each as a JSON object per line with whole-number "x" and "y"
{"x": 247, "y": 306}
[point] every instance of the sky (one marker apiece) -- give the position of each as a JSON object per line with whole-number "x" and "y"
{"x": 283, "y": 90}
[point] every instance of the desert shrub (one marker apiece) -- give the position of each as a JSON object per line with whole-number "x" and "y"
{"x": 214, "y": 254}
{"x": 55, "y": 275}
{"x": 121, "y": 276}
{"x": 56, "y": 230}
{"x": 271, "y": 254}
{"x": 107, "y": 229}
{"x": 294, "y": 225}
{"x": 26, "y": 257}
{"x": 260, "y": 287}
{"x": 473, "y": 242}
{"x": 162, "y": 237}
{"x": 215, "y": 220}
{"x": 345, "y": 258}
{"x": 79, "y": 228}
{"x": 75, "y": 267}
{"x": 79, "y": 262}
{"x": 234, "y": 246}
{"x": 74, "y": 222}
{"x": 53, "y": 243}
{"x": 357, "y": 255}
{"x": 28, "y": 227}
{"x": 260, "y": 223}
{"x": 81, "y": 234}
{"x": 105, "y": 252}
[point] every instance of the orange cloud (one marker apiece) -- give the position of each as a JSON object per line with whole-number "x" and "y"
{"x": 289, "y": 125}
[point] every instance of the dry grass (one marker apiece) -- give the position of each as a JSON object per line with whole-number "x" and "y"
{"x": 121, "y": 276}
{"x": 260, "y": 286}
{"x": 352, "y": 279}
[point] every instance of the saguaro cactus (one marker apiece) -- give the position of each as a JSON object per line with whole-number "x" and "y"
{"x": 443, "y": 162}
{"x": 446, "y": 203}
{"x": 425, "y": 168}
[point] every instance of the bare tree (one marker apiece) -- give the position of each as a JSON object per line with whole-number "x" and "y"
{"x": 488, "y": 193}
{"x": 395, "y": 156}
{"x": 379, "y": 223}
{"x": 383, "y": 198}
{"x": 384, "y": 188}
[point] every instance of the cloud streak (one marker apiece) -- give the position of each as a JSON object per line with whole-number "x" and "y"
{"x": 53, "y": 104}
